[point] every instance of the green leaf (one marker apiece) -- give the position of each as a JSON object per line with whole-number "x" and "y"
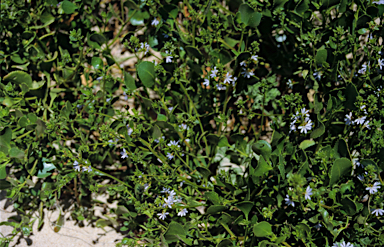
{"x": 40, "y": 128}
{"x": 225, "y": 243}
{"x": 174, "y": 231}
{"x": 254, "y": 19}
{"x": 245, "y": 207}
{"x": 223, "y": 142}
{"x": 5, "y": 185}
{"x": 68, "y": 7}
{"x": 348, "y": 206}
{"x": 193, "y": 52}
{"x": 5, "y": 140}
{"x": 262, "y": 148}
{"x": 101, "y": 223}
{"x": 129, "y": 81}
{"x": 97, "y": 62}
{"x": 212, "y": 196}
{"x": 146, "y": 72}
{"x": 161, "y": 117}
{"x": 46, "y": 168}
{"x": 245, "y": 13}
{"x": 302, "y": 7}
{"x": 306, "y": 144}
{"x": 204, "y": 171}
{"x": 350, "y": 95}
{"x": 3, "y": 172}
{"x": 340, "y": 168}
{"x": 319, "y": 131}
{"x": 19, "y": 77}
{"x": 321, "y": 56}
{"x": 214, "y": 209}
{"x": 67, "y": 109}
{"x": 16, "y": 153}
{"x": 262, "y": 229}
{"x": 262, "y": 168}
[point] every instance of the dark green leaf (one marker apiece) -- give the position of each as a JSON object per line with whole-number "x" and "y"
{"x": 97, "y": 62}
{"x": 46, "y": 168}
{"x": 214, "y": 209}
{"x": 321, "y": 56}
{"x": 16, "y": 153}
{"x": 254, "y": 19}
{"x": 341, "y": 167}
{"x": 225, "y": 243}
{"x": 68, "y": 7}
{"x": 245, "y": 13}
{"x": 193, "y": 52}
{"x": 146, "y": 72}
{"x": 245, "y": 207}
{"x": 212, "y": 196}
{"x": 19, "y": 77}
{"x": 262, "y": 168}
{"x": 262, "y": 148}
{"x": 223, "y": 142}
{"x": 204, "y": 171}
{"x": 5, "y": 185}
{"x": 161, "y": 117}
{"x": 5, "y": 140}
{"x": 3, "y": 172}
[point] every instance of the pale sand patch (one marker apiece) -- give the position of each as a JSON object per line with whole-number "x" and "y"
{"x": 70, "y": 235}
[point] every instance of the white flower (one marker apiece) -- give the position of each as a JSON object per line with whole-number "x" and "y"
{"x": 308, "y": 193}
{"x": 124, "y": 154}
{"x": 171, "y": 193}
{"x": 360, "y": 120}
{"x": 76, "y": 166}
{"x": 214, "y": 72}
{"x": 183, "y": 126}
{"x": 247, "y": 73}
{"x": 155, "y": 22}
{"x": 228, "y": 78}
{"x": 317, "y": 226}
{"x": 170, "y": 108}
{"x": 254, "y": 57}
{"x": 289, "y": 202}
{"x": 181, "y": 183}
{"x": 348, "y": 119}
{"x": 292, "y": 126}
{"x": 373, "y": 189}
{"x": 221, "y": 87}
{"x": 146, "y": 46}
{"x": 290, "y": 83}
{"x": 163, "y": 215}
{"x": 360, "y": 177}
{"x": 125, "y": 96}
{"x": 160, "y": 160}
{"x": 206, "y": 82}
{"x": 381, "y": 63}
{"x": 174, "y": 143}
{"x": 169, "y": 156}
{"x": 378, "y": 212}
{"x": 165, "y": 190}
{"x": 306, "y": 127}
{"x": 243, "y": 63}
{"x": 169, "y": 201}
{"x": 343, "y": 244}
{"x": 146, "y": 186}
{"x": 89, "y": 168}
{"x": 362, "y": 70}
{"x": 183, "y": 212}
{"x": 168, "y": 59}
{"x": 129, "y": 130}
{"x": 109, "y": 99}
{"x": 99, "y": 78}
{"x": 317, "y": 75}
{"x": 304, "y": 112}
{"x": 363, "y": 108}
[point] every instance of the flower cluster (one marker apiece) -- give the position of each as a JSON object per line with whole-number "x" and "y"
{"x": 362, "y": 120}
{"x": 168, "y": 201}
{"x": 77, "y": 167}
{"x": 301, "y": 121}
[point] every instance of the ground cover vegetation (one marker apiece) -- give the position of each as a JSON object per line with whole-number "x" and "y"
{"x": 229, "y": 123}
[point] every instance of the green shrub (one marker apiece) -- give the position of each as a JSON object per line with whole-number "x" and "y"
{"x": 237, "y": 124}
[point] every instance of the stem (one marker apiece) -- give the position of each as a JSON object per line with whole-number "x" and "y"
{"x": 121, "y": 29}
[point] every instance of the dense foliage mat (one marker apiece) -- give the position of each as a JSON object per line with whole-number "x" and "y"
{"x": 210, "y": 123}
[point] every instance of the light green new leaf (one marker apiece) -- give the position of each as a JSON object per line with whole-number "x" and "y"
{"x": 68, "y": 7}
{"x": 306, "y": 144}
{"x": 262, "y": 229}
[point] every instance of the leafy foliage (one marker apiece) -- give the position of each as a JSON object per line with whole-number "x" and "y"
{"x": 236, "y": 124}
